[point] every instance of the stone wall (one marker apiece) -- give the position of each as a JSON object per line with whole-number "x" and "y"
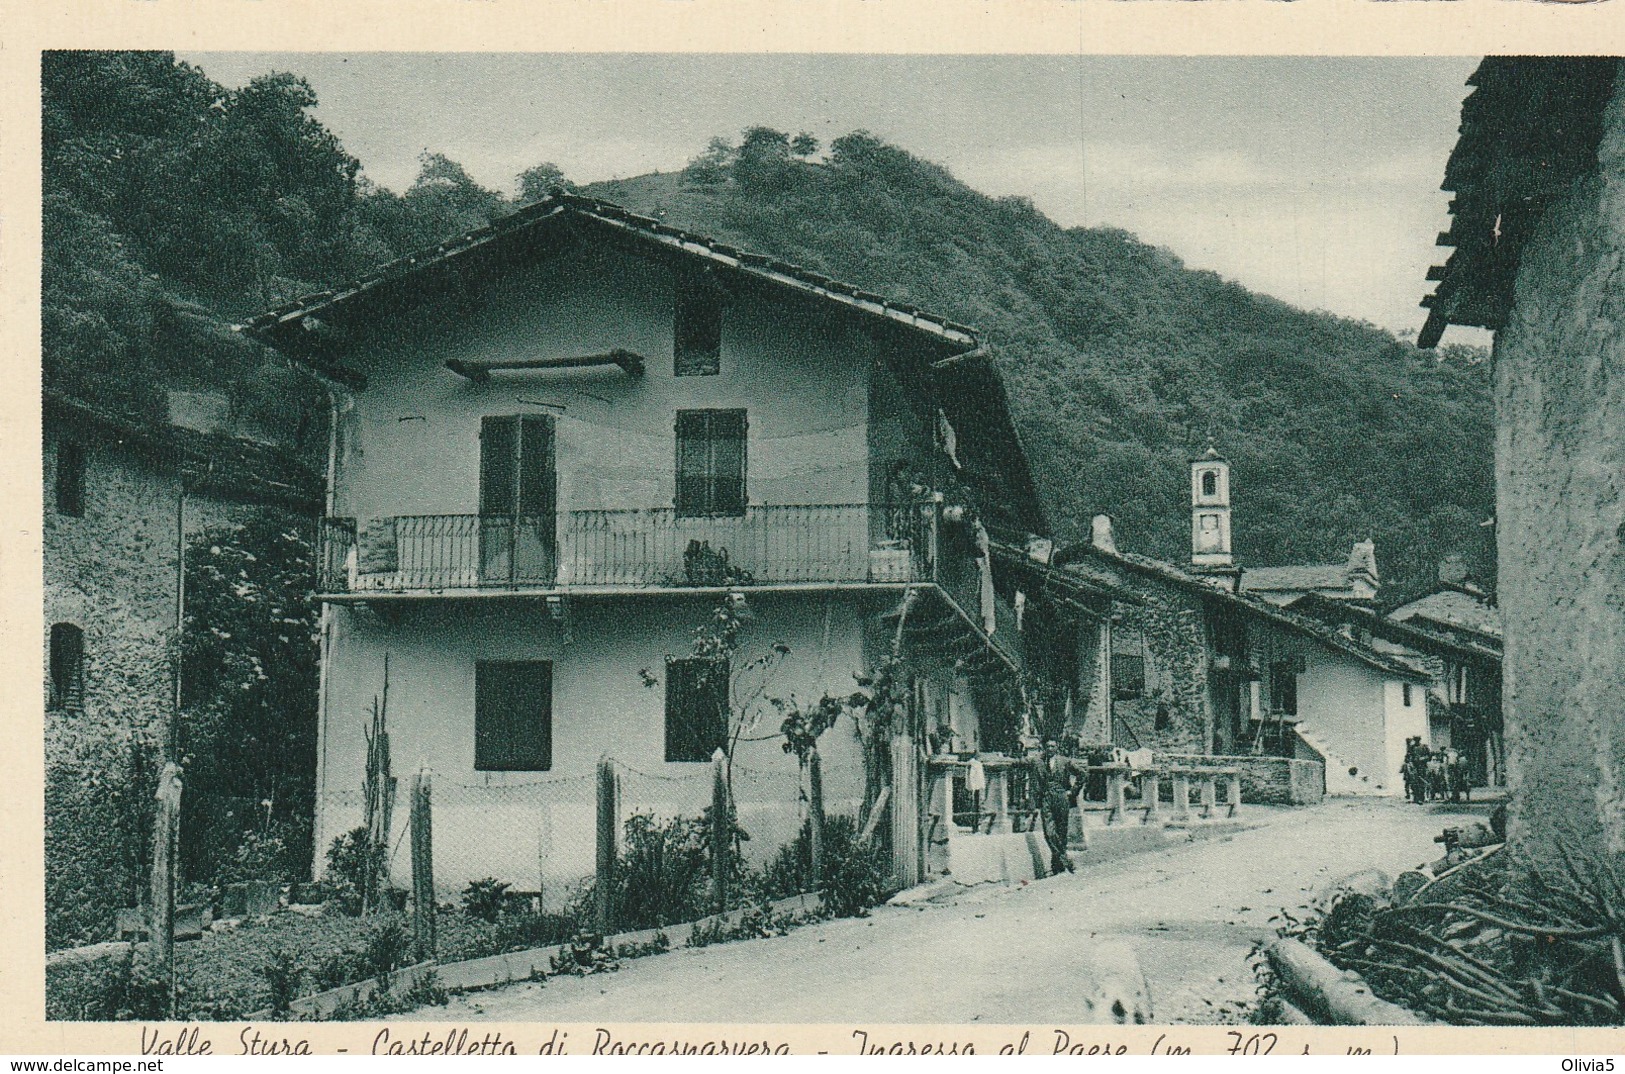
{"x": 1172, "y": 713}
{"x": 111, "y": 572}
{"x": 1266, "y": 780}
{"x": 1560, "y": 477}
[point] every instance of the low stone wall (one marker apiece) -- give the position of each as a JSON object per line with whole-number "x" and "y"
{"x": 1265, "y": 780}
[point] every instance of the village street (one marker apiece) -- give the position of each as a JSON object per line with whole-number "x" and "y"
{"x": 1012, "y": 955}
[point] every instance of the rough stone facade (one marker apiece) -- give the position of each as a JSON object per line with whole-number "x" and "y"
{"x": 1560, "y": 477}
{"x": 1268, "y": 780}
{"x": 111, "y": 572}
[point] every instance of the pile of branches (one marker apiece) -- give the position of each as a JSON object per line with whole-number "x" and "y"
{"x": 1536, "y": 948}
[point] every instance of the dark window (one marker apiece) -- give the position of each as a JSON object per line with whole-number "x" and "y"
{"x": 67, "y": 667}
{"x": 1284, "y": 689}
{"x": 513, "y": 715}
{"x": 517, "y": 474}
{"x": 1406, "y": 690}
{"x": 696, "y": 708}
{"x": 1210, "y": 483}
{"x": 697, "y": 328}
{"x": 710, "y": 462}
{"x": 1128, "y": 663}
{"x": 70, "y": 479}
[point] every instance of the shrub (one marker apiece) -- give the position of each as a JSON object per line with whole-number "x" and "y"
{"x": 351, "y": 860}
{"x": 660, "y": 876}
{"x": 387, "y": 948}
{"x": 282, "y": 973}
{"x": 486, "y": 899}
{"x": 855, "y": 877}
{"x": 519, "y": 932}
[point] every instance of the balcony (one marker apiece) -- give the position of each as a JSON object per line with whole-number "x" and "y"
{"x": 626, "y": 550}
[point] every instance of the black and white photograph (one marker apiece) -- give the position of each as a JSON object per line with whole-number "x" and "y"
{"x": 748, "y": 539}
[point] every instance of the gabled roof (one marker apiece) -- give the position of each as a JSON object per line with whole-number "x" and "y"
{"x": 1529, "y": 128}
{"x": 1211, "y": 592}
{"x": 1305, "y": 577}
{"x": 1452, "y": 608}
{"x": 970, "y": 391}
{"x": 1414, "y": 634}
{"x": 216, "y": 464}
{"x": 559, "y": 209}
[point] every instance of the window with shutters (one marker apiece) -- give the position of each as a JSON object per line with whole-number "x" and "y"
{"x": 67, "y": 667}
{"x": 513, "y": 715}
{"x": 710, "y": 463}
{"x": 70, "y": 479}
{"x": 696, "y": 708}
{"x": 697, "y": 328}
{"x": 517, "y": 473}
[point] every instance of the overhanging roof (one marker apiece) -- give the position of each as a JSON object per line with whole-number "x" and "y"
{"x": 1529, "y": 128}
{"x": 1243, "y": 604}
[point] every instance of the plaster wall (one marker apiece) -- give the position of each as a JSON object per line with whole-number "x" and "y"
{"x": 1342, "y": 707}
{"x": 410, "y": 442}
{"x": 536, "y": 829}
{"x": 1560, "y": 511}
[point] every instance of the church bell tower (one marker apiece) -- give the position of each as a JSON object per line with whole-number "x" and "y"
{"x": 1210, "y": 513}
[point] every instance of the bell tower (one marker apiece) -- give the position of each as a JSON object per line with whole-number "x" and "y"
{"x": 1210, "y": 512}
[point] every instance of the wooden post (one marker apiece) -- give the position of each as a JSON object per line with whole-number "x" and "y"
{"x": 815, "y": 816}
{"x": 721, "y": 836}
{"x": 423, "y": 902}
{"x": 604, "y": 888}
{"x": 166, "y": 829}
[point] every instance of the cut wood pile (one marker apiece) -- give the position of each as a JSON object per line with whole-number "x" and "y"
{"x": 1493, "y": 946}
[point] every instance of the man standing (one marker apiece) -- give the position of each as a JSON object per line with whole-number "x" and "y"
{"x": 1052, "y": 784}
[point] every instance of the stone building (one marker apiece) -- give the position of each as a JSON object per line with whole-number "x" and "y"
{"x": 1538, "y": 227}
{"x": 122, "y": 494}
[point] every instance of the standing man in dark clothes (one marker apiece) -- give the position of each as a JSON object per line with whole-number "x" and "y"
{"x": 1052, "y": 783}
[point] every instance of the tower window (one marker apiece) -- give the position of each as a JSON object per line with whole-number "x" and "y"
{"x": 70, "y": 479}
{"x": 1210, "y": 483}
{"x": 67, "y": 667}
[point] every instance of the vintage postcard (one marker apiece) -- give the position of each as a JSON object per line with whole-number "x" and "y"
{"x": 771, "y": 533}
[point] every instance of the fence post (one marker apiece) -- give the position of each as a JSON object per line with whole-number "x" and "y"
{"x": 721, "y": 836}
{"x": 166, "y": 829}
{"x": 423, "y": 902}
{"x": 604, "y": 888}
{"x": 815, "y": 816}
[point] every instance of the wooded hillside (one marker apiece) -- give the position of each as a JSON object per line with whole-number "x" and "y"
{"x": 174, "y": 206}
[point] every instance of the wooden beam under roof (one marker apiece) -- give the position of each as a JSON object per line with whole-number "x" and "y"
{"x": 480, "y": 370}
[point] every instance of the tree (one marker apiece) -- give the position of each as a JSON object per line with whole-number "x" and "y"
{"x": 713, "y": 165}
{"x": 538, "y": 182}
{"x": 249, "y": 673}
{"x": 762, "y": 164}
{"x": 803, "y": 145}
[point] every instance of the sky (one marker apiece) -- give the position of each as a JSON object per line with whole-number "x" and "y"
{"x": 1315, "y": 180}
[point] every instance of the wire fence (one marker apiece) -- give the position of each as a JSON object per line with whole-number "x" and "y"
{"x": 539, "y": 834}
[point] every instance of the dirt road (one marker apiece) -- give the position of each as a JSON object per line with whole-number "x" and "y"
{"x": 1007, "y": 955}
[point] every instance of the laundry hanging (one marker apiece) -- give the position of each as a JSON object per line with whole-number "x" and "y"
{"x": 984, "y": 565}
{"x": 949, "y": 440}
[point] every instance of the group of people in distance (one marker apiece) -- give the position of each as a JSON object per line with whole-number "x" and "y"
{"x": 1432, "y": 775}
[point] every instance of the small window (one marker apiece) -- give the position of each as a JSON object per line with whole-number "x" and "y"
{"x": 710, "y": 463}
{"x": 1405, "y": 691}
{"x": 697, "y": 328}
{"x": 1128, "y": 663}
{"x": 1283, "y": 689}
{"x": 70, "y": 479}
{"x": 513, "y": 715}
{"x": 1210, "y": 483}
{"x": 696, "y": 708}
{"x": 67, "y": 667}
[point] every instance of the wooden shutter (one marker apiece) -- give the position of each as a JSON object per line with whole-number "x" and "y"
{"x": 70, "y": 479}
{"x": 513, "y": 715}
{"x": 538, "y": 482}
{"x": 711, "y": 462}
{"x": 498, "y": 458}
{"x": 67, "y": 667}
{"x": 696, "y": 708}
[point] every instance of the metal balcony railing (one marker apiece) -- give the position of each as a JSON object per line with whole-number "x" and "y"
{"x": 631, "y": 548}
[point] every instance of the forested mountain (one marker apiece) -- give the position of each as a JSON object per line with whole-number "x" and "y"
{"x": 174, "y": 206}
